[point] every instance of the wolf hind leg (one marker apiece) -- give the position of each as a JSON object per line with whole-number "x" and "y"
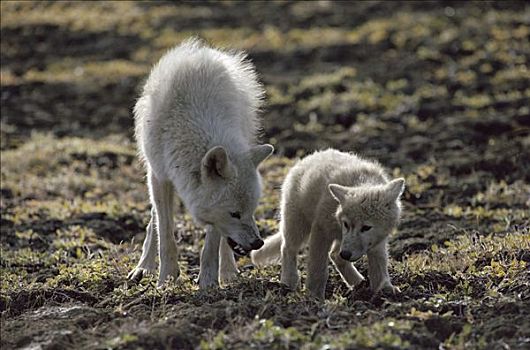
{"x": 147, "y": 263}
{"x": 227, "y": 263}
{"x": 348, "y": 272}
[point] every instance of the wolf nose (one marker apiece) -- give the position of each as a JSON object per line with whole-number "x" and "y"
{"x": 346, "y": 255}
{"x": 258, "y": 243}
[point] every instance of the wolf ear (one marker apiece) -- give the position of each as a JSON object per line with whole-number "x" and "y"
{"x": 259, "y": 153}
{"x": 395, "y": 188}
{"x": 338, "y": 192}
{"x": 216, "y": 164}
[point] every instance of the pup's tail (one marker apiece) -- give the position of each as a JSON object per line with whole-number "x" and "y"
{"x": 270, "y": 252}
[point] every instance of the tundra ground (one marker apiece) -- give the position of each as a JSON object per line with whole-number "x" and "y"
{"x": 437, "y": 91}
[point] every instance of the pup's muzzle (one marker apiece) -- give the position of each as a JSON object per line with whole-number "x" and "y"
{"x": 347, "y": 255}
{"x": 258, "y": 243}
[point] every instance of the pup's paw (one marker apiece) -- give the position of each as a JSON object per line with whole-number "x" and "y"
{"x": 386, "y": 292}
{"x": 291, "y": 281}
{"x": 318, "y": 295}
{"x": 388, "y": 289}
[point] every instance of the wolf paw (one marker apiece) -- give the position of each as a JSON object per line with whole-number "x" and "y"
{"x": 207, "y": 282}
{"x": 137, "y": 274}
{"x": 165, "y": 275}
{"x": 228, "y": 275}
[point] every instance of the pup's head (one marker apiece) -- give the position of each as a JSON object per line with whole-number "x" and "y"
{"x": 367, "y": 215}
{"x": 230, "y": 190}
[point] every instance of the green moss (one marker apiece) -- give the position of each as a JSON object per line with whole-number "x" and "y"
{"x": 384, "y": 334}
{"x": 274, "y": 336}
{"x": 101, "y": 73}
{"x": 459, "y": 256}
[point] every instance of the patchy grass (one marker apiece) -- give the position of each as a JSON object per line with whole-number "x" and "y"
{"x": 436, "y": 92}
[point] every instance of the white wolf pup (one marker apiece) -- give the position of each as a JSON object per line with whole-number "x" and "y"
{"x": 196, "y": 124}
{"x": 346, "y": 207}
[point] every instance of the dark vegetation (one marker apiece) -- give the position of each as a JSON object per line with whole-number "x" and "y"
{"x": 437, "y": 91}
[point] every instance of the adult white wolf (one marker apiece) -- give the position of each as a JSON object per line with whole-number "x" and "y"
{"x": 344, "y": 206}
{"x": 196, "y": 124}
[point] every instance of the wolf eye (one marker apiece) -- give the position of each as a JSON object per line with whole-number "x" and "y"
{"x": 366, "y": 228}
{"x": 236, "y": 215}
{"x": 346, "y": 226}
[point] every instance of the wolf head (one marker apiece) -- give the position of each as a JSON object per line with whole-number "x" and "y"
{"x": 367, "y": 215}
{"x": 230, "y": 190}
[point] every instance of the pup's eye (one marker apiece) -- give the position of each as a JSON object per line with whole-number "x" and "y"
{"x": 236, "y": 215}
{"x": 346, "y": 225}
{"x": 366, "y": 228}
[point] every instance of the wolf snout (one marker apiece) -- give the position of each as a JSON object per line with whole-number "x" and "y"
{"x": 256, "y": 244}
{"x": 241, "y": 249}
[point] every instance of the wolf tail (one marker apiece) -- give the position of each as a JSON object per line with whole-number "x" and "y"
{"x": 270, "y": 252}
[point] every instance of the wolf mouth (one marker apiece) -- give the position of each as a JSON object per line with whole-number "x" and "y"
{"x": 238, "y": 249}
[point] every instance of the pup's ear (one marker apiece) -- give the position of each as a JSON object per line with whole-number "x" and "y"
{"x": 216, "y": 164}
{"x": 338, "y": 192}
{"x": 395, "y": 188}
{"x": 259, "y": 153}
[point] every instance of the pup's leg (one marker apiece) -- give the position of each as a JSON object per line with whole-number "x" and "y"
{"x": 162, "y": 199}
{"x": 147, "y": 261}
{"x": 293, "y": 236}
{"x": 349, "y": 273}
{"x": 378, "y": 269}
{"x": 227, "y": 264}
{"x": 317, "y": 262}
{"x": 209, "y": 269}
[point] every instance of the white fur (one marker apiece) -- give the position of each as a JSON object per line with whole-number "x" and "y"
{"x": 196, "y": 124}
{"x": 330, "y": 198}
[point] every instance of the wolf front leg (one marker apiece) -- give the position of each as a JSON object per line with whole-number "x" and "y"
{"x": 378, "y": 269}
{"x": 317, "y": 262}
{"x": 147, "y": 261}
{"x": 227, "y": 265}
{"x": 292, "y": 238}
{"x": 209, "y": 269}
{"x": 162, "y": 198}
{"x": 349, "y": 273}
